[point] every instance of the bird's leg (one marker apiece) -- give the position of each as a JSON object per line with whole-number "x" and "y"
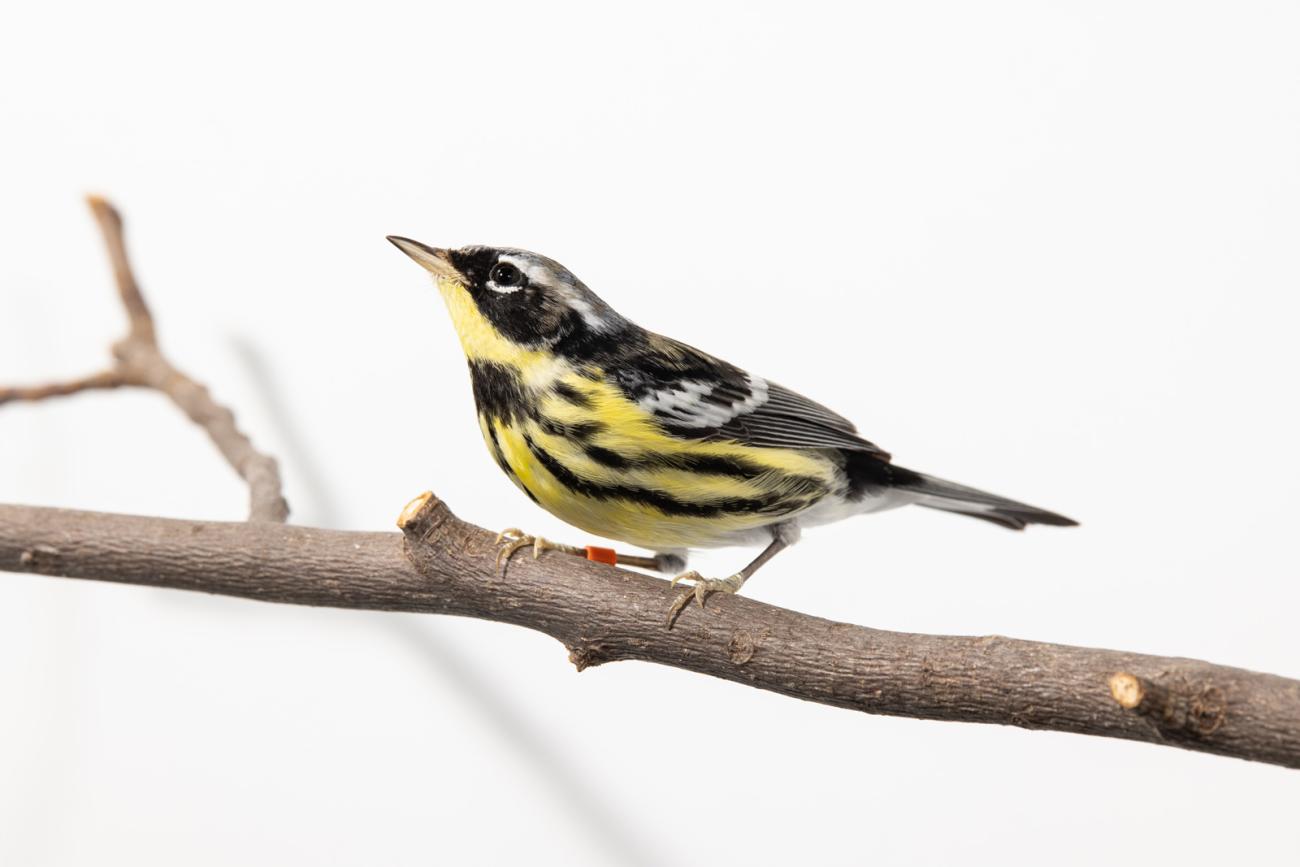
{"x": 512, "y": 539}
{"x": 702, "y": 587}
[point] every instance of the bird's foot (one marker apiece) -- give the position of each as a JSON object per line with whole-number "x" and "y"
{"x": 699, "y": 590}
{"x": 512, "y": 539}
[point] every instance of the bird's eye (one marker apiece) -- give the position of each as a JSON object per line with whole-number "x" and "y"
{"x": 505, "y": 274}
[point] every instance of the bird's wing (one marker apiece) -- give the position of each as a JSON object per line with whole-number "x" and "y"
{"x": 696, "y": 396}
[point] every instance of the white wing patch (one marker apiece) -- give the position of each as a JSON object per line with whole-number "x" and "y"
{"x": 697, "y": 404}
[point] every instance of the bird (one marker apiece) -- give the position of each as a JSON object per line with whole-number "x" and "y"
{"x": 634, "y": 436}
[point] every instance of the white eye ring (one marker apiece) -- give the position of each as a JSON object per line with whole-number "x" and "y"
{"x": 504, "y": 269}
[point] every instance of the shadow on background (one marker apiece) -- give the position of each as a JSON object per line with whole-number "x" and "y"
{"x": 587, "y": 807}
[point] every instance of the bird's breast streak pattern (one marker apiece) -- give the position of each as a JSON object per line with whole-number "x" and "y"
{"x": 585, "y": 452}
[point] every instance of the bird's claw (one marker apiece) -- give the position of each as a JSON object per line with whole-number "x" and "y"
{"x": 701, "y": 588}
{"x": 512, "y": 539}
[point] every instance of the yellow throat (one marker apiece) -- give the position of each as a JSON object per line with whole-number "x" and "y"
{"x": 479, "y": 338}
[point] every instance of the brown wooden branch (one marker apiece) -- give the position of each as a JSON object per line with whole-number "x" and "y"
{"x": 101, "y": 380}
{"x": 441, "y": 565}
{"x": 140, "y": 362}
{"x": 139, "y": 319}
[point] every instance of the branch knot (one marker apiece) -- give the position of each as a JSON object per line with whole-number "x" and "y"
{"x": 1176, "y": 706}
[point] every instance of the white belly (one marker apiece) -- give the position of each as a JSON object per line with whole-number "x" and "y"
{"x": 827, "y": 510}
{"x": 834, "y": 508}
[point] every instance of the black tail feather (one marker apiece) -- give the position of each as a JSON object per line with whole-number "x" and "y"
{"x": 946, "y": 496}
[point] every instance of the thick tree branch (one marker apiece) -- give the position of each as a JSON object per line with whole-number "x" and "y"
{"x": 442, "y": 565}
{"x": 445, "y": 566}
{"x": 140, "y": 362}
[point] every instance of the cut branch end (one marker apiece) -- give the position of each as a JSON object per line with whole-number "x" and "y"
{"x": 412, "y": 509}
{"x": 1127, "y": 689}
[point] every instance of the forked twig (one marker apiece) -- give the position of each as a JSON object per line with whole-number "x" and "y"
{"x": 138, "y": 361}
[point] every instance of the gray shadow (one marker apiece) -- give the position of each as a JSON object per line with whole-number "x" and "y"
{"x": 588, "y": 807}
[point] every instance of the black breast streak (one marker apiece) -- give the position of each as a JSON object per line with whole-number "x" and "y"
{"x": 499, "y": 393}
{"x": 572, "y": 395}
{"x": 719, "y": 465}
{"x": 765, "y": 504}
{"x": 497, "y": 453}
{"x": 500, "y": 457}
{"x": 580, "y": 431}
{"x": 607, "y": 457}
{"x": 708, "y": 465}
{"x": 501, "y": 399}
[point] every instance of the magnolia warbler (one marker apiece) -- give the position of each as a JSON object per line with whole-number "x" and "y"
{"x": 634, "y": 436}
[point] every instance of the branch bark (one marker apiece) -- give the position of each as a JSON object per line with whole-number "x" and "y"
{"x": 442, "y": 565}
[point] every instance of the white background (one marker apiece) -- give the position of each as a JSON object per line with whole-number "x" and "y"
{"x": 1046, "y": 249}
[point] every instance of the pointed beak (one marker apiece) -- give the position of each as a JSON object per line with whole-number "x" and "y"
{"x": 436, "y": 262}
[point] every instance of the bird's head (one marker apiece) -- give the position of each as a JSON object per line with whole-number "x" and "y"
{"x": 504, "y": 300}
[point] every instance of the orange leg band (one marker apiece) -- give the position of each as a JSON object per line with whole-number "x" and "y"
{"x": 602, "y": 555}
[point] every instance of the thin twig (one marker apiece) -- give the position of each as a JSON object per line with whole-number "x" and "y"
{"x": 445, "y": 566}
{"x": 101, "y": 380}
{"x": 140, "y": 362}
{"x": 137, "y": 311}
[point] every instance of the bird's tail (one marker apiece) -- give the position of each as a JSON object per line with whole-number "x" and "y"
{"x": 951, "y": 497}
